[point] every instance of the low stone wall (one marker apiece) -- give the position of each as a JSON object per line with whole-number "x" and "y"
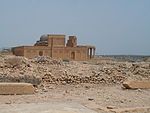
{"x": 16, "y": 88}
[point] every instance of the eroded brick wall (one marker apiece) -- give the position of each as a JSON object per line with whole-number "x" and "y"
{"x": 70, "y": 53}
{"x": 18, "y": 51}
{"x": 56, "y": 40}
{"x": 34, "y": 51}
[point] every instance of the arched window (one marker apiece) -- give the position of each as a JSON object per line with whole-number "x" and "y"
{"x": 40, "y": 53}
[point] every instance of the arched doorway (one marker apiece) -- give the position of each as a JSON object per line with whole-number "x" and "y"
{"x": 73, "y": 55}
{"x": 40, "y": 53}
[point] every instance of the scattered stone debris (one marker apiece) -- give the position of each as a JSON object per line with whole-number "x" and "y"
{"x": 46, "y": 60}
{"x": 52, "y": 71}
{"x": 95, "y": 82}
{"x": 90, "y": 99}
{"x": 111, "y": 107}
{"x": 35, "y": 80}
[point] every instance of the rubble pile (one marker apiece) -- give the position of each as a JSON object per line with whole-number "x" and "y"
{"x": 72, "y": 79}
{"x": 21, "y": 78}
{"x": 46, "y": 60}
{"x": 18, "y": 69}
{"x": 51, "y": 71}
{"x": 102, "y": 73}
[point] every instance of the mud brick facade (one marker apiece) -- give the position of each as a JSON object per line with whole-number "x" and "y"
{"x": 55, "y": 46}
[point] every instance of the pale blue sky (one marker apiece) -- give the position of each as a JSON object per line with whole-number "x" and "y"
{"x": 113, "y": 26}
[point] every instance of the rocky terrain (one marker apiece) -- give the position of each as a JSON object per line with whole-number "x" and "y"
{"x": 44, "y": 70}
{"x": 97, "y": 82}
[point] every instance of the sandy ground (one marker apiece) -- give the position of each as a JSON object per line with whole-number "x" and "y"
{"x": 88, "y": 95}
{"x": 51, "y": 107}
{"x": 94, "y": 84}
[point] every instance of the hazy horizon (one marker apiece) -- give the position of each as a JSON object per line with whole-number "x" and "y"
{"x": 115, "y": 27}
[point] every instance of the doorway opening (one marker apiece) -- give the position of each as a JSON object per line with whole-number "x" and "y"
{"x": 73, "y": 55}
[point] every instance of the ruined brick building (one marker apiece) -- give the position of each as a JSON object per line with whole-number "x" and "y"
{"x": 55, "y": 47}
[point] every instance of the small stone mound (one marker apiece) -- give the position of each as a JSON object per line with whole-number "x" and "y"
{"x": 15, "y": 61}
{"x": 35, "y": 80}
{"x": 46, "y": 60}
{"x": 73, "y": 79}
{"x": 18, "y": 69}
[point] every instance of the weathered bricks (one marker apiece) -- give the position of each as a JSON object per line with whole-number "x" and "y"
{"x": 137, "y": 84}
{"x": 16, "y": 88}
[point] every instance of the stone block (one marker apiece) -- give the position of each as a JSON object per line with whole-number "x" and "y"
{"x": 137, "y": 84}
{"x": 16, "y": 88}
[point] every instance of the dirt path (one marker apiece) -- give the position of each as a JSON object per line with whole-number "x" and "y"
{"x": 51, "y": 107}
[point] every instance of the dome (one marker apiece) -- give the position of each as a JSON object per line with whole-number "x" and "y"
{"x": 44, "y": 37}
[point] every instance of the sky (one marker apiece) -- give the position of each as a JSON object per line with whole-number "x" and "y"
{"x": 113, "y": 26}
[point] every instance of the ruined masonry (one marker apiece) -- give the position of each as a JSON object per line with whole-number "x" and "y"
{"x": 16, "y": 88}
{"x": 54, "y": 46}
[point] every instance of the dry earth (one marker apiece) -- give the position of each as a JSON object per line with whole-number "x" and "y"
{"x": 96, "y": 84}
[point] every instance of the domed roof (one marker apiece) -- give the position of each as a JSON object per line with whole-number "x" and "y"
{"x": 44, "y": 37}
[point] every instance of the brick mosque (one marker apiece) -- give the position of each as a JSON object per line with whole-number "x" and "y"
{"x": 55, "y": 46}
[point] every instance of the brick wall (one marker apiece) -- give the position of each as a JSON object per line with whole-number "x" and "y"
{"x": 70, "y": 53}
{"x": 34, "y": 51}
{"x": 18, "y": 51}
{"x": 56, "y": 40}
